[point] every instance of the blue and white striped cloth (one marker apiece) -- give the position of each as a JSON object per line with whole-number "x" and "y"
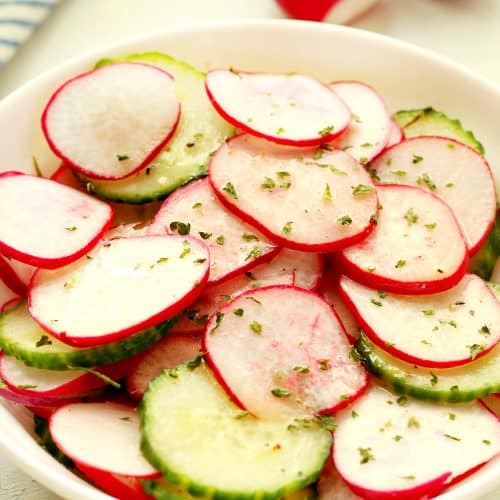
{"x": 18, "y": 20}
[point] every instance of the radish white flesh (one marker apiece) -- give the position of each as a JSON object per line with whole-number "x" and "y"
{"x": 6, "y": 295}
{"x": 104, "y": 436}
{"x": 110, "y": 122}
{"x": 167, "y": 353}
{"x": 451, "y": 170}
{"x": 287, "y": 268}
{"x": 416, "y": 248}
{"x": 122, "y": 287}
{"x": 281, "y": 351}
{"x": 438, "y": 330}
{"x": 371, "y": 125}
{"x": 234, "y": 245}
{"x": 46, "y": 224}
{"x": 396, "y": 134}
{"x": 329, "y": 290}
{"x": 287, "y": 109}
{"x": 317, "y": 201}
{"x": 53, "y": 383}
{"x": 387, "y": 445}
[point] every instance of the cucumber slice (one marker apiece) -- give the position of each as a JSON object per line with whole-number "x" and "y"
{"x": 199, "y": 133}
{"x": 429, "y": 121}
{"x": 187, "y": 420}
{"x": 448, "y": 385}
{"x": 484, "y": 261}
{"x": 24, "y": 339}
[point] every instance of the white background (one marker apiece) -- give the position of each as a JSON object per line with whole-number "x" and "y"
{"x": 467, "y": 31}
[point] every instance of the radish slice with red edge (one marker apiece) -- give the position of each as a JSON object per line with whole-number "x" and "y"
{"x": 103, "y": 436}
{"x": 394, "y": 447}
{"x": 441, "y": 330}
{"x": 287, "y": 109}
{"x": 371, "y": 125}
{"x": 417, "y": 248}
{"x": 292, "y": 348}
{"x": 112, "y": 121}
{"x": 289, "y": 267}
{"x": 119, "y": 486}
{"x": 167, "y": 353}
{"x": 29, "y": 381}
{"x": 313, "y": 200}
{"x": 146, "y": 279}
{"x": 329, "y": 290}
{"x": 15, "y": 274}
{"x": 332, "y": 487}
{"x": 6, "y": 295}
{"x": 234, "y": 246}
{"x": 492, "y": 403}
{"x": 454, "y": 172}
{"x": 48, "y": 225}
{"x": 396, "y": 134}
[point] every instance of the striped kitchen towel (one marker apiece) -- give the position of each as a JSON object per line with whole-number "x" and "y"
{"x": 18, "y": 20}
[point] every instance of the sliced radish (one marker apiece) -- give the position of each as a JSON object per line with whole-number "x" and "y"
{"x": 281, "y": 350}
{"x": 371, "y": 125}
{"x": 111, "y": 122}
{"x": 46, "y": 224}
{"x": 119, "y": 486}
{"x": 167, "y": 353}
{"x": 6, "y": 295}
{"x": 439, "y": 330}
{"x": 288, "y": 109}
{"x": 396, "y": 134}
{"x": 451, "y": 170}
{"x": 390, "y": 447}
{"x": 37, "y": 382}
{"x": 329, "y": 290}
{"x": 289, "y": 267}
{"x": 104, "y": 436}
{"x": 316, "y": 201}
{"x": 417, "y": 248}
{"x": 332, "y": 487}
{"x": 16, "y": 274}
{"x": 492, "y": 403}
{"x": 122, "y": 287}
{"x": 234, "y": 246}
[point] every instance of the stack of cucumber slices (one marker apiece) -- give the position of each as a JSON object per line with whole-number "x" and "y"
{"x": 194, "y": 303}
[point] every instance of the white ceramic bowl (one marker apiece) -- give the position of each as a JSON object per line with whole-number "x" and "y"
{"x": 405, "y": 75}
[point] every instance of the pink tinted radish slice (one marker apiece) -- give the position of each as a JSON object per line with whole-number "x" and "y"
{"x": 288, "y": 109}
{"x": 329, "y": 290}
{"x": 122, "y": 287}
{"x": 454, "y": 172}
{"x": 385, "y": 445}
{"x": 492, "y": 403}
{"x": 288, "y": 342}
{"x": 315, "y": 201}
{"x": 332, "y": 487}
{"x": 104, "y": 436}
{"x": 234, "y": 245}
{"x": 110, "y": 122}
{"x": 371, "y": 125}
{"x": 289, "y": 267}
{"x": 396, "y": 134}
{"x": 37, "y": 382}
{"x": 440, "y": 330}
{"x": 417, "y": 247}
{"x": 16, "y": 274}
{"x": 46, "y": 224}
{"x": 167, "y": 353}
{"x": 6, "y": 295}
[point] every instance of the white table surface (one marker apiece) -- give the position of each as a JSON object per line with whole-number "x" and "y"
{"x": 467, "y": 31}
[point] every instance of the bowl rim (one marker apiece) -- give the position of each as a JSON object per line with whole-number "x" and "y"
{"x": 50, "y": 476}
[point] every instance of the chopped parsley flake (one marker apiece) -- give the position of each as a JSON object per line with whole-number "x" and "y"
{"x": 280, "y": 131}
{"x": 486, "y": 441}
{"x": 431, "y": 226}
{"x": 239, "y": 312}
{"x": 218, "y": 319}
{"x": 204, "y": 235}
{"x": 367, "y": 145}
{"x": 449, "y": 436}
{"x": 253, "y": 299}
{"x": 249, "y": 237}
{"x": 125, "y": 419}
{"x": 229, "y": 189}
{"x": 282, "y": 174}
{"x": 411, "y": 478}
{"x": 195, "y": 362}
{"x": 449, "y": 184}
{"x": 371, "y": 269}
{"x": 326, "y": 422}
{"x": 287, "y": 228}
{"x": 366, "y": 455}
{"x": 71, "y": 228}
{"x": 475, "y": 349}
{"x": 345, "y": 220}
{"x": 397, "y": 438}
{"x": 279, "y": 392}
{"x": 434, "y": 378}
{"x": 301, "y": 369}
{"x": 182, "y": 228}
{"x": 241, "y": 414}
{"x": 428, "y": 312}
{"x": 256, "y": 327}
{"x": 425, "y": 342}
{"x": 254, "y": 253}
{"x": 324, "y": 364}
{"x": 362, "y": 189}
{"x": 197, "y": 205}
{"x": 399, "y": 173}
{"x": 268, "y": 183}
{"x": 374, "y": 218}
{"x": 185, "y": 252}
{"x": 325, "y": 131}
{"x": 425, "y": 180}
{"x": 411, "y": 217}
{"x": 200, "y": 261}
{"x": 120, "y": 157}
{"x": 373, "y": 173}
{"x": 417, "y": 159}
{"x": 400, "y": 263}
{"x": 452, "y": 416}
{"x": 43, "y": 340}
{"x": 413, "y": 422}
{"x": 354, "y": 414}
{"x": 318, "y": 154}
{"x": 376, "y": 302}
{"x": 327, "y": 194}
{"x": 402, "y": 400}
{"x": 484, "y": 330}
{"x": 220, "y": 239}
{"x": 382, "y": 294}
